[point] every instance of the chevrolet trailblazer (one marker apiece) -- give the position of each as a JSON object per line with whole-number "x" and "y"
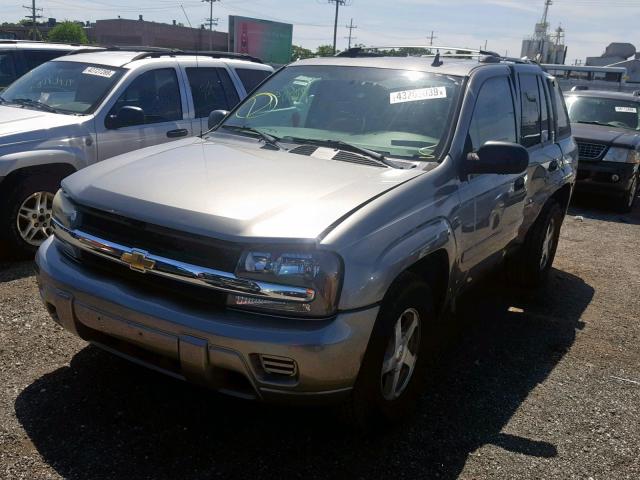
{"x": 304, "y": 249}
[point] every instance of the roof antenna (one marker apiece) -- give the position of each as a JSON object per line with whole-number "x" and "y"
{"x": 436, "y": 60}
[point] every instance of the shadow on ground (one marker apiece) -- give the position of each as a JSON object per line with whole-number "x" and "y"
{"x": 602, "y": 208}
{"x": 104, "y": 418}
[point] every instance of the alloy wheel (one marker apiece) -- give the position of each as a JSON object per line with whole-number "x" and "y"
{"x": 401, "y": 355}
{"x": 548, "y": 243}
{"x": 633, "y": 190}
{"x": 34, "y": 218}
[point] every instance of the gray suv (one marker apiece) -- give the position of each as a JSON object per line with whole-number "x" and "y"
{"x": 306, "y": 248}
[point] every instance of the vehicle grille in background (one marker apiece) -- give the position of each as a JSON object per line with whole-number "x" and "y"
{"x": 343, "y": 156}
{"x": 278, "y": 365}
{"x": 163, "y": 241}
{"x": 590, "y": 151}
{"x": 304, "y": 150}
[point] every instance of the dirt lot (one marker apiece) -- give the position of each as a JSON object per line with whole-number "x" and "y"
{"x": 535, "y": 385}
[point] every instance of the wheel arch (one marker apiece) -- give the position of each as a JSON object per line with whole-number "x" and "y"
{"x": 16, "y": 176}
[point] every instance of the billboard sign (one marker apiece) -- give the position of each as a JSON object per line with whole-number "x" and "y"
{"x": 267, "y": 40}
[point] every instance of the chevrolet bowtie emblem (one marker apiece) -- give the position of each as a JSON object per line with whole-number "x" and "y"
{"x": 138, "y": 261}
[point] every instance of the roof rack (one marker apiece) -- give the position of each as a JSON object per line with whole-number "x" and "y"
{"x": 155, "y": 52}
{"x": 485, "y": 56}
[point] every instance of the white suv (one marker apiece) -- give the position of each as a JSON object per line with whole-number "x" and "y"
{"x": 89, "y": 106}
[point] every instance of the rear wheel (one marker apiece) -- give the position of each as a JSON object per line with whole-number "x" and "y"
{"x": 400, "y": 351}
{"x": 26, "y": 220}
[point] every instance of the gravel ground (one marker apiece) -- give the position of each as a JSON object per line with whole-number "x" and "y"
{"x": 534, "y": 385}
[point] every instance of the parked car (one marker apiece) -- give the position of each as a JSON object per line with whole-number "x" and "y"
{"x": 305, "y": 249}
{"x": 17, "y": 57}
{"x": 86, "y": 107}
{"x": 606, "y": 126}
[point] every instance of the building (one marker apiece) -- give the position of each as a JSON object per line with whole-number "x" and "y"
{"x": 122, "y": 31}
{"x": 543, "y": 46}
{"x": 619, "y": 54}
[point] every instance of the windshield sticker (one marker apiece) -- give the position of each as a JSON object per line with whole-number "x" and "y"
{"x": 627, "y": 109}
{"x": 258, "y": 105}
{"x": 99, "y": 72}
{"x": 417, "y": 94}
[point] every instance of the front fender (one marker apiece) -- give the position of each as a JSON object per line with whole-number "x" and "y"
{"x": 33, "y": 158}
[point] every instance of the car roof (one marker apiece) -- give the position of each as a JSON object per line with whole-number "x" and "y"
{"x": 449, "y": 66}
{"x": 605, "y": 94}
{"x": 33, "y": 45}
{"x": 121, "y": 58}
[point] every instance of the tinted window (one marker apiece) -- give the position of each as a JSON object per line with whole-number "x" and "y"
{"x": 229, "y": 88}
{"x": 494, "y": 116}
{"x": 157, "y": 93}
{"x": 544, "y": 116}
{"x": 33, "y": 58}
{"x": 251, "y": 78}
{"x": 530, "y": 102}
{"x": 560, "y": 109}
{"x": 208, "y": 91}
{"x": 7, "y": 69}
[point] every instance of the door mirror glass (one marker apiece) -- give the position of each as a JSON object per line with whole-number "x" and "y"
{"x": 216, "y": 117}
{"x": 498, "y": 157}
{"x": 126, "y": 117}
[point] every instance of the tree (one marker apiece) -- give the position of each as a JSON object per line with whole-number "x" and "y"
{"x": 298, "y": 52}
{"x": 68, "y": 32}
{"x": 324, "y": 51}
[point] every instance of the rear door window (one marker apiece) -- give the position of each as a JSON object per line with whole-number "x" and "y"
{"x": 545, "y": 117}
{"x": 33, "y": 58}
{"x": 560, "y": 110}
{"x": 157, "y": 93}
{"x": 251, "y": 78}
{"x": 7, "y": 69}
{"x": 530, "y": 130}
{"x": 211, "y": 89}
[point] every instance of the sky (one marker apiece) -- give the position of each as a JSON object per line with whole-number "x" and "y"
{"x": 590, "y": 25}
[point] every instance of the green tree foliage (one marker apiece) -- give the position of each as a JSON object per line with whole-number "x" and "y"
{"x": 298, "y": 52}
{"x": 324, "y": 51}
{"x": 68, "y": 32}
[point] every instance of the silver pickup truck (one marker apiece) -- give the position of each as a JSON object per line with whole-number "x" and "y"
{"x": 305, "y": 249}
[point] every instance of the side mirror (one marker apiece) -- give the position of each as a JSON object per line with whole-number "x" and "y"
{"x": 216, "y": 117}
{"x": 127, "y": 116}
{"x": 498, "y": 157}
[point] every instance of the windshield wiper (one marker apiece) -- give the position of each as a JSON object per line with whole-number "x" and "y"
{"x": 342, "y": 145}
{"x": 594, "y": 122}
{"x": 35, "y": 103}
{"x": 268, "y": 139}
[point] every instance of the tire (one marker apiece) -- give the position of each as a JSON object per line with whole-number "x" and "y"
{"x": 628, "y": 198}
{"x": 25, "y": 193}
{"x": 531, "y": 265}
{"x": 372, "y": 402}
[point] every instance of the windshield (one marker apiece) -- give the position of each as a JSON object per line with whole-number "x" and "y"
{"x": 397, "y": 113}
{"x": 604, "y": 111}
{"x": 66, "y": 87}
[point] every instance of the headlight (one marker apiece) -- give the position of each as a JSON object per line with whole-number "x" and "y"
{"x": 64, "y": 211}
{"x": 623, "y": 155}
{"x": 315, "y": 270}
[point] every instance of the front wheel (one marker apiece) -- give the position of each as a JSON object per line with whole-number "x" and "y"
{"x": 626, "y": 201}
{"x": 398, "y": 356}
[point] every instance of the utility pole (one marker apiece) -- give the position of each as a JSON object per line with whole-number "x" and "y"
{"x": 432, "y": 37}
{"x": 34, "y": 16}
{"x": 211, "y": 21}
{"x": 335, "y": 23}
{"x": 351, "y": 27}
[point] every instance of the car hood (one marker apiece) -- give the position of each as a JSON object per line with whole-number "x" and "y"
{"x": 607, "y": 135}
{"x": 23, "y": 125}
{"x": 232, "y": 189}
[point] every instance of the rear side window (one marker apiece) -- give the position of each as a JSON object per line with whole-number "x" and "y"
{"x": 494, "y": 114}
{"x": 7, "y": 69}
{"x": 545, "y": 117}
{"x": 33, "y": 58}
{"x": 211, "y": 89}
{"x": 251, "y": 78}
{"x": 531, "y": 112}
{"x": 157, "y": 93}
{"x": 560, "y": 109}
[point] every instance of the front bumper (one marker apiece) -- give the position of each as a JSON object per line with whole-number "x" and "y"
{"x": 598, "y": 177}
{"x": 230, "y": 351}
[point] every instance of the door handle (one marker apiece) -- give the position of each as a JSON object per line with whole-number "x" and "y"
{"x": 553, "y": 166}
{"x": 181, "y": 132}
{"x": 518, "y": 184}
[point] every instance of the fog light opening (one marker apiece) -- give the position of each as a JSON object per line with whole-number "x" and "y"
{"x": 615, "y": 178}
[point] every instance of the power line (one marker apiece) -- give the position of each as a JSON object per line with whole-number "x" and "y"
{"x": 34, "y": 16}
{"x": 211, "y": 21}
{"x": 351, "y": 28}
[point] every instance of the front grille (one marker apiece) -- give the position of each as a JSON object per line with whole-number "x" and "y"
{"x": 162, "y": 241}
{"x": 278, "y": 365}
{"x": 590, "y": 151}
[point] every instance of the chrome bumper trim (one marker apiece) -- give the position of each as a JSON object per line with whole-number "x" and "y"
{"x": 180, "y": 271}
